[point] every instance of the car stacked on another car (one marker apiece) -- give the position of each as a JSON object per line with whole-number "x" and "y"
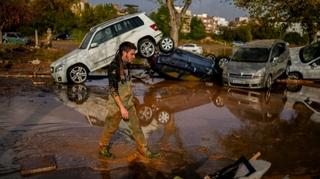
{"x": 101, "y": 43}
{"x": 194, "y": 48}
{"x": 257, "y": 64}
{"x": 176, "y": 63}
{"x": 305, "y": 62}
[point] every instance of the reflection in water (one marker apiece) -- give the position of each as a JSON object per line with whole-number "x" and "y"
{"x": 278, "y": 123}
{"x": 290, "y": 143}
{"x": 156, "y": 107}
{"x": 259, "y": 106}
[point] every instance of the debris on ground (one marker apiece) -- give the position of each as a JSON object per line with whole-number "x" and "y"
{"x": 38, "y": 164}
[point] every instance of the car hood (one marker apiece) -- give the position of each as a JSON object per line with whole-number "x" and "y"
{"x": 244, "y": 67}
{"x": 71, "y": 55}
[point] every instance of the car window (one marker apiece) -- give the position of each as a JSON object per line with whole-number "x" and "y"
{"x": 277, "y": 50}
{"x": 136, "y": 22}
{"x": 310, "y": 52}
{"x": 120, "y": 28}
{"x": 251, "y": 55}
{"x": 189, "y": 45}
{"x": 103, "y": 35}
{"x": 86, "y": 40}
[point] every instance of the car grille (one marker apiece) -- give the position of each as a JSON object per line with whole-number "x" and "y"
{"x": 241, "y": 75}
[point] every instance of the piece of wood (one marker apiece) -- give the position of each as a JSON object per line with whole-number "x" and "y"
{"x": 38, "y": 164}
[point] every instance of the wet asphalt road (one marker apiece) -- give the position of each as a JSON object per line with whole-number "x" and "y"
{"x": 197, "y": 127}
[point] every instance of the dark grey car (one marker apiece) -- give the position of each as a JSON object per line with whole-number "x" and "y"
{"x": 257, "y": 64}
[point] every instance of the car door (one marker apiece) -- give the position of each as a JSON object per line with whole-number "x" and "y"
{"x": 274, "y": 67}
{"x": 102, "y": 48}
{"x": 312, "y": 70}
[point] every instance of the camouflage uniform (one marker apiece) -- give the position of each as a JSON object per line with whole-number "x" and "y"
{"x": 120, "y": 85}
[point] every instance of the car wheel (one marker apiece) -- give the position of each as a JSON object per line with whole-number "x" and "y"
{"x": 222, "y": 62}
{"x": 267, "y": 96}
{"x": 145, "y": 115}
{"x": 77, "y": 74}
{"x": 164, "y": 117}
{"x": 77, "y": 93}
{"x": 218, "y": 101}
{"x": 294, "y": 76}
{"x": 146, "y": 48}
{"x": 166, "y": 44}
{"x": 5, "y": 41}
{"x": 268, "y": 82}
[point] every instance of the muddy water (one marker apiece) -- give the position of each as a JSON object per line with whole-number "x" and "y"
{"x": 197, "y": 128}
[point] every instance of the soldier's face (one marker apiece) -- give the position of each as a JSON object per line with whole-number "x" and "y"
{"x": 129, "y": 56}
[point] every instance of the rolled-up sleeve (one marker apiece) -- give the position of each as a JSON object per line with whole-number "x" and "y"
{"x": 113, "y": 79}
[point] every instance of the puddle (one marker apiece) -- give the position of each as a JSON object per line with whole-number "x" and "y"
{"x": 197, "y": 127}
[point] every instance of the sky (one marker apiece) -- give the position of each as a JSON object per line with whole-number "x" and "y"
{"x": 211, "y": 7}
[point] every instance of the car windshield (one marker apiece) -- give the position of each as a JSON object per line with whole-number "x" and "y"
{"x": 310, "y": 52}
{"x": 86, "y": 40}
{"x": 251, "y": 55}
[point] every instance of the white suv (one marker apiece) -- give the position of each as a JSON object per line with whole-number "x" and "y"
{"x": 101, "y": 43}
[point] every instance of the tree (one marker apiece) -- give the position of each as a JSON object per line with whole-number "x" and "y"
{"x": 131, "y": 8}
{"x": 198, "y": 30}
{"x": 162, "y": 19}
{"x": 175, "y": 16}
{"x": 305, "y": 12}
{"x": 54, "y": 14}
{"x": 13, "y": 12}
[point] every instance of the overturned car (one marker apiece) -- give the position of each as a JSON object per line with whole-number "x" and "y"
{"x": 175, "y": 63}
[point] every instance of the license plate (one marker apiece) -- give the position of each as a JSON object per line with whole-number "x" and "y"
{"x": 238, "y": 81}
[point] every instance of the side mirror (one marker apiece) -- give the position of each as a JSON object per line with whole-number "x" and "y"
{"x": 314, "y": 65}
{"x": 94, "y": 45}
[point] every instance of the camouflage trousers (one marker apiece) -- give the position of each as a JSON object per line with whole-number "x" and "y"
{"x": 113, "y": 118}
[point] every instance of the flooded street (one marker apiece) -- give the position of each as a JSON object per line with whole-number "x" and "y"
{"x": 198, "y": 128}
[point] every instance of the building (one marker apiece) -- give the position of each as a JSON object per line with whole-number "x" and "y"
{"x": 212, "y": 24}
{"x": 77, "y": 8}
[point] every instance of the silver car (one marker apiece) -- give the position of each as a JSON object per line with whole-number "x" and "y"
{"x": 257, "y": 64}
{"x": 305, "y": 62}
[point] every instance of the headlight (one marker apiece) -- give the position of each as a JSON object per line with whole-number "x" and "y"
{"x": 260, "y": 72}
{"x": 59, "y": 67}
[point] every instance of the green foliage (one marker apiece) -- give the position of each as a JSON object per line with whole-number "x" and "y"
{"x": 294, "y": 38}
{"x": 78, "y": 34}
{"x": 55, "y": 14}
{"x": 161, "y": 18}
{"x": 305, "y": 12}
{"x": 198, "y": 30}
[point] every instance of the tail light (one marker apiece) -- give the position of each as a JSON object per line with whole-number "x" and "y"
{"x": 154, "y": 27}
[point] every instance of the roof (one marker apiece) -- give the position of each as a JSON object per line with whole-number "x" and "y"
{"x": 120, "y": 18}
{"x": 263, "y": 43}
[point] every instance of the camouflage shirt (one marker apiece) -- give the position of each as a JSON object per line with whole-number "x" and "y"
{"x": 115, "y": 76}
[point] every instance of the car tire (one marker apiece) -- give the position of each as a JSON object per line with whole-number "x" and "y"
{"x": 5, "y": 41}
{"x": 166, "y": 44}
{"x": 146, "y": 48}
{"x": 163, "y": 117}
{"x": 145, "y": 114}
{"x": 294, "y": 76}
{"x": 78, "y": 93}
{"x": 77, "y": 74}
{"x": 268, "y": 83}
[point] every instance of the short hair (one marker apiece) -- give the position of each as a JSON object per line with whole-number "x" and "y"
{"x": 126, "y": 46}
